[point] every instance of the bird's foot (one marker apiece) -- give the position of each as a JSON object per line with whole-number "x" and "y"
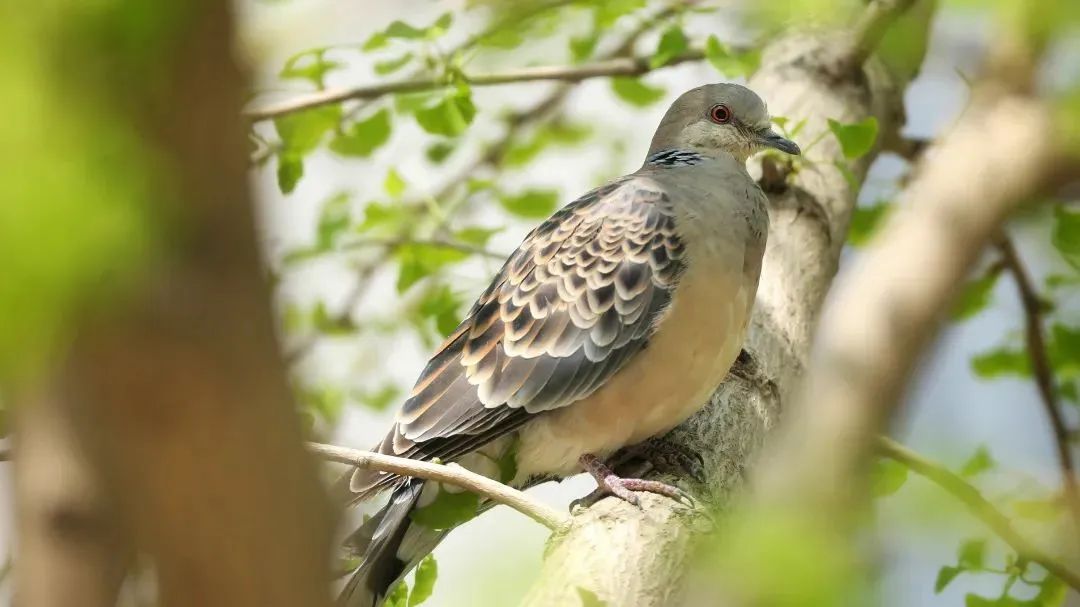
{"x": 625, "y": 489}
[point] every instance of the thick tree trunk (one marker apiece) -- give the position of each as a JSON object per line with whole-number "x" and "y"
{"x": 640, "y": 557}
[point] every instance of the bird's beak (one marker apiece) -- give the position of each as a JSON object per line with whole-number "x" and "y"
{"x": 772, "y": 139}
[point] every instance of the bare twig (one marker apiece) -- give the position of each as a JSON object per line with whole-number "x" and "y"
{"x": 435, "y": 241}
{"x": 1043, "y": 373}
{"x": 623, "y": 66}
{"x": 452, "y": 474}
{"x": 871, "y": 26}
{"x": 979, "y": 506}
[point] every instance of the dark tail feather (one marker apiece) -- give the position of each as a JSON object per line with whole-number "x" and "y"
{"x": 389, "y": 545}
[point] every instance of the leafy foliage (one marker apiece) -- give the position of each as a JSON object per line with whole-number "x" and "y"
{"x": 856, "y": 138}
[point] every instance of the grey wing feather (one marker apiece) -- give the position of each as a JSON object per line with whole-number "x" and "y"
{"x": 570, "y": 307}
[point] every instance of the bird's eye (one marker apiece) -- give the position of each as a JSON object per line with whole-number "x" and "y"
{"x": 720, "y": 114}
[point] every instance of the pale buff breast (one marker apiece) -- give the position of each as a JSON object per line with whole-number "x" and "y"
{"x": 690, "y": 353}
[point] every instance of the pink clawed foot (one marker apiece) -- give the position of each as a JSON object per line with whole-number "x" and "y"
{"x": 623, "y": 488}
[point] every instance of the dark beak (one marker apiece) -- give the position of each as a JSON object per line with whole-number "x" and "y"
{"x": 772, "y": 139}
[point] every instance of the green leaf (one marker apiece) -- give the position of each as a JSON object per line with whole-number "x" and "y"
{"x": 476, "y": 235}
{"x": 418, "y": 261}
{"x": 582, "y": 47}
{"x": 384, "y": 219}
{"x": 394, "y": 184}
{"x": 375, "y": 42}
{"x": 728, "y": 62}
{"x": 1051, "y": 592}
{"x": 589, "y": 598}
{"x": 1045, "y": 511}
{"x": 1001, "y": 362}
{"x": 389, "y": 66}
{"x": 532, "y": 203}
{"x": 381, "y": 398}
{"x": 309, "y": 65}
{"x": 636, "y": 92}
{"x": 290, "y": 169}
{"x": 672, "y": 44}
{"x": 400, "y": 29}
{"x": 442, "y": 305}
{"x": 865, "y": 222}
{"x": 944, "y": 576}
{"x": 364, "y": 136}
{"x": 975, "y": 296}
{"x": 424, "y": 584}
{"x": 1065, "y": 351}
{"x": 508, "y": 463}
{"x": 326, "y": 403}
{"x": 449, "y": 117}
{"x": 302, "y": 132}
{"x": 557, "y": 133}
{"x": 334, "y": 220}
{"x": 887, "y": 477}
{"x": 972, "y": 555}
{"x": 607, "y": 12}
{"x": 979, "y": 462}
{"x": 398, "y": 597}
{"x": 447, "y": 510}
{"x": 409, "y": 103}
{"x": 439, "y": 151}
{"x": 857, "y": 138}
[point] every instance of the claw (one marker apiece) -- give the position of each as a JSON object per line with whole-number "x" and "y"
{"x": 625, "y": 489}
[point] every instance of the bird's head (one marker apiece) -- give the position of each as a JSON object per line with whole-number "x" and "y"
{"x": 719, "y": 118}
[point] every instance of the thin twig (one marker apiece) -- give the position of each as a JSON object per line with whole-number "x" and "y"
{"x": 435, "y": 241}
{"x": 452, "y": 474}
{"x": 1042, "y": 371}
{"x": 871, "y": 26}
{"x": 623, "y": 66}
{"x": 979, "y": 506}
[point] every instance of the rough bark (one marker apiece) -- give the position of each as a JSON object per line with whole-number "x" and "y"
{"x": 640, "y": 557}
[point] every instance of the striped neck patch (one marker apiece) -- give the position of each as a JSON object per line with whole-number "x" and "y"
{"x": 675, "y": 157}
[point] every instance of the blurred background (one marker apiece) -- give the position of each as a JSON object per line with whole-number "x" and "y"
{"x": 382, "y": 220}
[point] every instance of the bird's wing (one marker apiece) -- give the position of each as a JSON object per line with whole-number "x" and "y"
{"x": 570, "y": 307}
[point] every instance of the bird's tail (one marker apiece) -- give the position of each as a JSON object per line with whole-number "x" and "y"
{"x": 390, "y": 545}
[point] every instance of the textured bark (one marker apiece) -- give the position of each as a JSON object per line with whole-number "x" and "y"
{"x": 640, "y": 557}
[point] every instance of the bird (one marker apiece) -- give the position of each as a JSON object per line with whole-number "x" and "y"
{"x": 611, "y": 323}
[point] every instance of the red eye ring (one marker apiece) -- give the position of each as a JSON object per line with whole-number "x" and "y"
{"x": 720, "y": 114}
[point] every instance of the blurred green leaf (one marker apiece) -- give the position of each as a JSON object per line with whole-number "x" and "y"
{"x": 865, "y": 222}
{"x": 389, "y": 66}
{"x": 636, "y": 92}
{"x": 302, "y": 132}
{"x": 582, "y": 47}
{"x": 439, "y": 151}
{"x": 380, "y": 398}
{"x": 447, "y": 510}
{"x": 385, "y": 219}
{"x": 672, "y": 44}
{"x": 323, "y": 322}
{"x": 589, "y": 598}
{"x": 476, "y": 235}
{"x": 325, "y": 402}
{"x": 290, "y": 169}
{"x": 449, "y": 117}
{"x": 556, "y": 133}
{"x": 426, "y": 574}
{"x": 409, "y": 103}
{"x": 363, "y": 136}
{"x": 1064, "y": 350}
{"x": 532, "y": 203}
{"x": 309, "y": 65}
{"x": 979, "y": 462}
{"x": 400, "y": 29}
{"x": 394, "y": 184}
{"x": 975, "y": 296}
{"x": 442, "y": 305}
{"x": 399, "y": 596}
{"x": 1045, "y": 511}
{"x": 1066, "y": 234}
{"x": 887, "y": 477}
{"x": 418, "y": 261}
{"x": 730, "y": 63}
{"x": 607, "y": 12}
{"x": 508, "y": 463}
{"x": 972, "y": 555}
{"x": 334, "y": 219}
{"x": 857, "y": 138}
{"x": 1001, "y": 362}
{"x": 945, "y": 575}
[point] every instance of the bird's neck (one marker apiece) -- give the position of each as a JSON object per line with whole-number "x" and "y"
{"x": 681, "y": 156}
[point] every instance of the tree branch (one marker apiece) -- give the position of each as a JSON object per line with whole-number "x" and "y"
{"x": 449, "y": 473}
{"x": 1044, "y": 375}
{"x": 979, "y": 506}
{"x": 622, "y": 66}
